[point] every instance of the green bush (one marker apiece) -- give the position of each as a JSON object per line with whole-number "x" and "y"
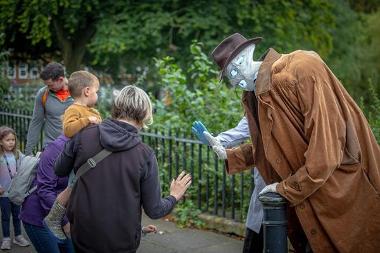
{"x": 187, "y": 215}
{"x": 191, "y": 93}
{"x": 371, "y": 109}
{"x": 195, "y": 93}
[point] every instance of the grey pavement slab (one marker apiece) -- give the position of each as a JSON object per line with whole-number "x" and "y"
{"x": 177, "y": 240}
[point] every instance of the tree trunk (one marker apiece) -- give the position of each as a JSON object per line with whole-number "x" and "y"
{"x": 73, "y": 49}
{"x": 72, "y": 57}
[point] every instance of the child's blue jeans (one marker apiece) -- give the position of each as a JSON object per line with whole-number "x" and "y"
{"x": 8, "y": 208}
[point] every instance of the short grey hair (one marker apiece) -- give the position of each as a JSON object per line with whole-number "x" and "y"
{"x": 133, "y": 103}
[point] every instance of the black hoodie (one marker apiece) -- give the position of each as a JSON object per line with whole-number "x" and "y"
{"x": 105, "y": 205}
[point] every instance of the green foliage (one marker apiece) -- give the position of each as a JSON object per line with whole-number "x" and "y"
{"x": 38, "y": 20}
{"x": 191, "y": 93}
{"x": 120, "y": 35}
{"x": 194, "y": 93}
{"x": 187, "y": 214}
{"x": 355, "y": 58}
{"x": 344, "y": 60}
{"x": 371, "y": 110}
{"x": 20, "y": 98}
{"x": 367, "y": 6}
{"x": 61, "y": 25}
{"x": 147, "y": 28}
{"x": 290, "y": 25}
{"x": 370, "y": 57}
{"x": 168, "y": 27}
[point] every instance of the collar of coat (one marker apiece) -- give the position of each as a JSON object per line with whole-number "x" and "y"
{"x": 263, "y": 83}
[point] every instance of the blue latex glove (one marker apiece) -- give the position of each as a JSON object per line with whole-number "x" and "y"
{"x": 198, "y": 128}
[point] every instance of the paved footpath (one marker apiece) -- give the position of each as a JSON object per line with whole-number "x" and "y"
{"x": 171, "y": 239}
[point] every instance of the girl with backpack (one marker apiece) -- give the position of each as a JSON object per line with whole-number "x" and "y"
{"x": 9, "y": 158}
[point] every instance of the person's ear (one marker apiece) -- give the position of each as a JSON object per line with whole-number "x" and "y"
{"x": 86, "y": 91}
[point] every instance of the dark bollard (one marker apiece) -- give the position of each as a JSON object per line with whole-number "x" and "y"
{"x": 274, "y": 223}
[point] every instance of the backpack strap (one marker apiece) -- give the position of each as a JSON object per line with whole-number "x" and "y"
{"x": 44, "y": 98}
{"x": 92, "y": 162}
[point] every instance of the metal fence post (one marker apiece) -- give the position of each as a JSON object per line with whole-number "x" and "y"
{"x": 274, "y": 223}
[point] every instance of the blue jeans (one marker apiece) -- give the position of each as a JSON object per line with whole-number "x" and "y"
{"x": 44, "y": 242}
{"x": 8, "y": 208}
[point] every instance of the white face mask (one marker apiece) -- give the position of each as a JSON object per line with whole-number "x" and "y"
{"x": 242, "y": 70}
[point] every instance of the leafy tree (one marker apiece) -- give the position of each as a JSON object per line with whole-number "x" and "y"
{"x": 146, "y": 30}
{"x": 67, "y": 25}
{"x": 127, "y": 35}
{"x": 136, "y": 31}
{"x": 290, "y": 25}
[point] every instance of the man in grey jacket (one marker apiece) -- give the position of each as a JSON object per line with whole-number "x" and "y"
{"x": 49, "y": 105}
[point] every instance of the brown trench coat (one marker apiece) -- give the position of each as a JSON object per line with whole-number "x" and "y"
{"x": 312, "y": 138}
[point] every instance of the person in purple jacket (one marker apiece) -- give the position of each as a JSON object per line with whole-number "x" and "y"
{"x": 37, "y": 205}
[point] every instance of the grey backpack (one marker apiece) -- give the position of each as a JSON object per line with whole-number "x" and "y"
{"x": 22, "y": 181}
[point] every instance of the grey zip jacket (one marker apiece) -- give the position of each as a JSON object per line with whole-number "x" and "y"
{"x": 47, "y": 118}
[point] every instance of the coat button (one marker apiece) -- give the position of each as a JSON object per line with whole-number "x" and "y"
{"x": 302, "y": 206}
{"x": 278, "y": 160}
{"x": 313, "y": 231}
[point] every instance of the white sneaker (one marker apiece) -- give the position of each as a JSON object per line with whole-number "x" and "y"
{"x": 21, "y": 241}
{"x": 6, "y": 244}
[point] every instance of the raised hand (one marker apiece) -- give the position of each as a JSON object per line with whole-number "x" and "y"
{"x": 179, "y": 186}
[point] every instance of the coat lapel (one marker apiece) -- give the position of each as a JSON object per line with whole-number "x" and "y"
{"x": 263, "y": 82}
{"x": 265, "y": 109}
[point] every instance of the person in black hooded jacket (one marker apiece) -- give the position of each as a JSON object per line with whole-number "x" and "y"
{"x": 105, "y": 207}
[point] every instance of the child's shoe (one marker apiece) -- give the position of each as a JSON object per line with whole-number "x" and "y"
{"x": 53, "y": 220}
{"x": 6, "y": 244}
{"x": 21, "y": 241}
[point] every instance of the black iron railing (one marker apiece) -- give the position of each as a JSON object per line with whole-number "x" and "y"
{"x": 212, "y": 190}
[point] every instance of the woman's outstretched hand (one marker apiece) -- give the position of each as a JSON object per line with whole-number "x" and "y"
{"x": 179, "y": 186}
{"x": 149, "y": 229}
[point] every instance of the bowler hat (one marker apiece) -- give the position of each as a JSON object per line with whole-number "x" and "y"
{"x": 229, "y": 48}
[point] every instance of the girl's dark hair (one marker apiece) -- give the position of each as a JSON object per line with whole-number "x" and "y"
{"x": 4, "y": 131}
